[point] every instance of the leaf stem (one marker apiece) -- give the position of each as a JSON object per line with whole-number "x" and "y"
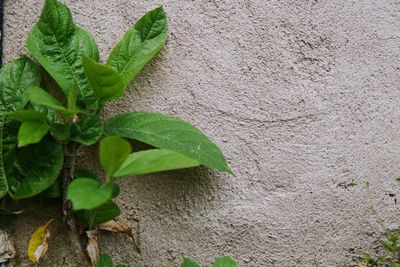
{"x": 70, "y": 150}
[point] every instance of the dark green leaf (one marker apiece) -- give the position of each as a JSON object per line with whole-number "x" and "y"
{"x": 87, "y": 130}
{"x": 36, "y": 168}
{"x": 113, "y": 152}
{"x": 57, "y": 44}
{"x": 189, "y": 263}
{"x": 15, "y": 77}
{"x": 139, "y": 44}
{"x": 168, "y": 133}
{"x": 7, "y": 216}
{"x": 32, "y": 132}
{"x": 104, "y": 213}
{"x": 115, "y": 188}
{"x": 28, "y": 115}
{"x": 104, "y": 261}
{"x": 10, "y": 143}
{"x": 54, "y": 191}
{"x": 86, "y": 193}
{"x": 61, "y": 131}
{"x": 154, "y": 160}
{"x": 224, "y": 262}
{"x": 105, "y": 81}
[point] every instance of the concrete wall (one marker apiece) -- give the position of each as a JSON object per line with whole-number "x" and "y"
{"x": 302, "y": 95}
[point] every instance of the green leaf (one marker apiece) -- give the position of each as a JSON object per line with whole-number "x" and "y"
{"x": 61, "y": 131}
{"x": 28, "y": 115}
{"x": 54, "y": 191}
{"x": 86, "y": 193}
{"x": 32, "y": 132}
{"x": 35, "y": 169}
{"x": 15, "y": 77}
{"x": 87, "y": 130}
{"x": 224, "y": 262}
{"x": 7, "y": 216}
{"x": 139, "y": 44}
{"x": 189, "y": 263}
{"x": 168, "y": 133}
{"x": 104, "y": 213}
{"x": 52, "y": 115}
{"x": 106, "y": 82}
{"x": 40, "y": 97}
{"x": 104, "y": 261}
{"x": 57, "y": 44}
{"x": 154, "y": 160}
{"x": 113, "y": 152}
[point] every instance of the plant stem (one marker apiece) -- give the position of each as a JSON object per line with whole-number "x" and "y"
{"x": 70, "y": 150}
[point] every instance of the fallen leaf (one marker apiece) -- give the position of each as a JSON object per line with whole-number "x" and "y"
{"x": 7, "y": 251}
{"x": 93, "y": 246}
{"x": 117, "y": 225}
{"x": 39, "y": 243}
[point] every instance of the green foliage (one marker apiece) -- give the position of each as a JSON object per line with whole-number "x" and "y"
{"x": 106, "y": 261}
{"x": 225, "y": 261}
{"x": 40, "y": 123}
{"x": 104, "y": 213}
{"x": 391, "y": 257}
{"x": 14, "y": 79}
{"x": 87, "y": 130}
{"x": 139, "y": 45}
{"x": 106, "y": 82}
{"x": 189, "y": 263}
{"x": 86, "y": 193}
{"x": 113, "y": 152}
{"x": 36, "y": 168}
{"x": 170, "y": 133}
{"x": 154, "y": 160}
{"x": 58, "y": 44}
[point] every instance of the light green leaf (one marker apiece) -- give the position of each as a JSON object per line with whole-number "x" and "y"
{"x": 113, "y": 152}
{"x": 189, "y": 263}
{"x": 57, "y": 44}
{"x": 40, "y": 97}
{"x": 224, "y": 262}
{"x": 154, "y": 160}
{"x": 139, "y": 44}
{"x": 35, "y": 169}
{"x": 87, "y": 130}
{"x": 104, "y": 213}
{"x": 15, "y": 77}
{"x": 86, "y": 193}
{"x": 32, "y": 132}
{"x": 168, "y": 133}
{"x": 105, "y": 81}
{"x": 28, "y": 115}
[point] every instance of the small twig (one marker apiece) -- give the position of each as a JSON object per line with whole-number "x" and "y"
{"x": 68, "y": 175}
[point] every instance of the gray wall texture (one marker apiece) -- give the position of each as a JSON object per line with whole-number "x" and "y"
{"x": 301, "y": 95}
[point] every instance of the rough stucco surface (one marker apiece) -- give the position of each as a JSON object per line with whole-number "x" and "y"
{"x": 302, "y": 96}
